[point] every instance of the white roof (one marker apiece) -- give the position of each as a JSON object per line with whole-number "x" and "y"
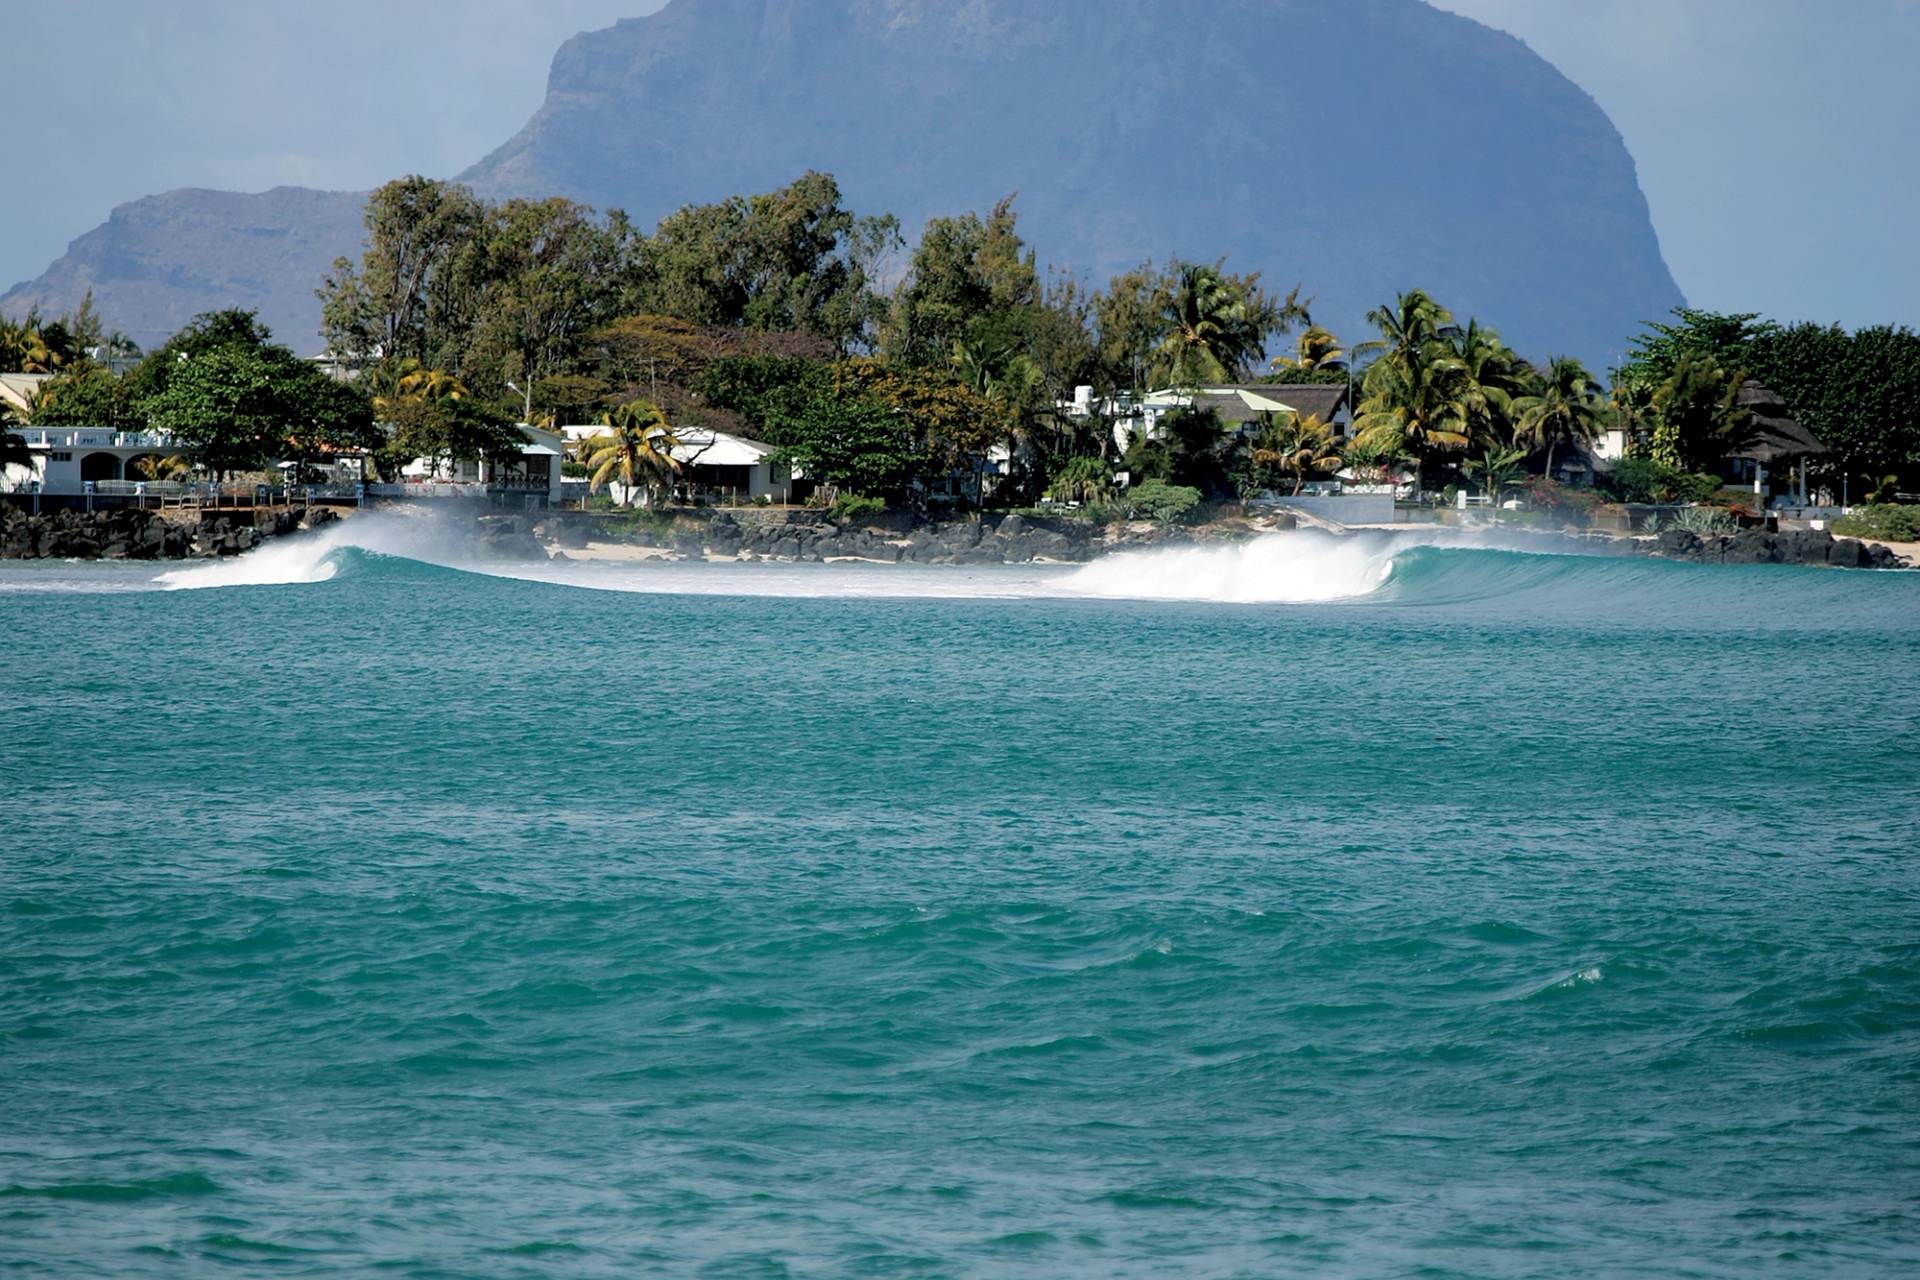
{"x": 701, "y": 447}
{"x": 538, "y": 451}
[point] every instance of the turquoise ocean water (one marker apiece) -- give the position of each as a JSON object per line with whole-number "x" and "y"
{"x": 1310, "y": 909}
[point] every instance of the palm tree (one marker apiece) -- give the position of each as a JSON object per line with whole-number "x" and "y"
{"x": 1083, "y": 479}
{"x": 1495, "y": 377}
{"x": 1567, "y": 409}
{"x": 1316, "y": 348}
{"x": 1698, "y": 419}
{"x": 1408, "y": 328}
{"x": 1422, "y": 404}
{"x": 1296, "y": 446}
{"x": 1214, "y": 327}
{"x": 1495, "y": 471}
{"x": 638, "y": 448}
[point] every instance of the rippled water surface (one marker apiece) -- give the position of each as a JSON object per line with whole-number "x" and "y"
{"x": 1486, "y": 914}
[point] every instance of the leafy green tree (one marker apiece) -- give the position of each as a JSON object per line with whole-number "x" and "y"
{"x": 91, "y": 397}
{"x": 406, "y": 293}
{"x": 238, "y": 407}
{"x": 970, "y": 280}
{"x": 1566, "y": 409}
{"x": 1697, "y": 420}
{"x": 793, "y": 259}
{"x": 1653, "y": 355}
{"x": 209, "y": 331}
{"x": 1858, "y": 392}
{"x": 850, "y": 443}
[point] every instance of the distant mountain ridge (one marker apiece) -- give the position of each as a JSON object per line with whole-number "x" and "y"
{"x": 1359, "y": 149}
{"x": 158, "y": 262}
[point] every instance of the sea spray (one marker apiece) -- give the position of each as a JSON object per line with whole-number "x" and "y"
{"x": 1305, "y": 567}
{"x": 411, "y": 533}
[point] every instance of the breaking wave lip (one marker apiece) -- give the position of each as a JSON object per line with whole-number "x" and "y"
{"x": 402, "y": 534}
{"x": 1298, "y": 567}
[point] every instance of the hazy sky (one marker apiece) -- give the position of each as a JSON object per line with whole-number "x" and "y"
{"x": 1776, "y": 139}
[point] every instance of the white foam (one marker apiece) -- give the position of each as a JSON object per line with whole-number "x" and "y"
{"x": 1304, "y": 567}
{"x": 311, "y": 557}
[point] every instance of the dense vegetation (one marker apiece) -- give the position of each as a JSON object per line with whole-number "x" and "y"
{"x": 787, "y": 317}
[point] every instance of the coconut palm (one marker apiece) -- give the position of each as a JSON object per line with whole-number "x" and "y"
{"x": 1215, "y": 327}
{"x": 1082, "y": 479}
{"x": 154, "y": 466}
{"x": 1423, "y": 404}
{"x": 1495, "y": 471}
{"x": 1316, "y": 348}
{"x": 1297, "y": 446}
{"x": 1494, "y": 378}
{"x": 637, "y": 448}
{"x": 1566, "y": 409}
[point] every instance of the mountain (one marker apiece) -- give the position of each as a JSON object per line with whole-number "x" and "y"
{"x": 1358, "y": 148}
{"x": 158, "y": 262}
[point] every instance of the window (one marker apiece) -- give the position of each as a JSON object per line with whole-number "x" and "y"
{"x": 63, "y": 457}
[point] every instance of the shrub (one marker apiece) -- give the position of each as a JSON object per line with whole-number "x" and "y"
{"x": 1162, "y": 502}
{"x": 1708, "y": 522}
{"x": 852, "y": 508}
{"x": 1885, "y": 521}
{"x": 1644, "y": 480}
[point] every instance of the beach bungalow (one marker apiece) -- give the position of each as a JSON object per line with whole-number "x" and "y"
{"x": 721, "y": 465}
{"x": 1774, "y": 440}
{"x": 529, "y": 476}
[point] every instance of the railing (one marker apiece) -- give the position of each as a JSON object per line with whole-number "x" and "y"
{"x": 93, "y": 438}
{"x": 426, "y": 491}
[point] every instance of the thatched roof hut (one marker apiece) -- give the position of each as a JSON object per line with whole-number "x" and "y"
{"x": 1772, "y": 433}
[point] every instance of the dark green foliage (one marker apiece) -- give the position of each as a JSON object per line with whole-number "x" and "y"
{"x": 1153, "y": 500}
{"x": 847, "y": 442}
{"x": 756, "y": 387}
{"x": 1195, "y": 451}
{"x": 241, "y": 401}
{"x": 1885, "y": 521}
{"x": 92, "y": 397}
{"x": 1644, "y": 480}
{"x": 1858, "y": 392}
{"x": 855, "y": 508}
{"x": 792, "y": 259}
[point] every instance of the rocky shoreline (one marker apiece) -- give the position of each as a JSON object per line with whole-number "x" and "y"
{"x": 131, "y": 533}
{"x": 814, "y": 537}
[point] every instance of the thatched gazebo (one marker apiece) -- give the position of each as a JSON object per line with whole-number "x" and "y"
{"x": 1773, "y": 436}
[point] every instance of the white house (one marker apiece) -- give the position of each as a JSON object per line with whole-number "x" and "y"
{"x": 718, "y": 464}
{"x": 1236, "y": 406}
{"x": 67, "y": 459}
{"x": 531, "y": 473}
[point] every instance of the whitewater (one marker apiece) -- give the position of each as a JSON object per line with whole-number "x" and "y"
{"x": 1310, "y": 906}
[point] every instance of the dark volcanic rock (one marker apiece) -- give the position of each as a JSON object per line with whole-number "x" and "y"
{"x": 928, "y": 107}
{"x": 1757, "y": 546}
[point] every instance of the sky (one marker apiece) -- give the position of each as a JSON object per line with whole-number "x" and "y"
{"x": 1776, "y": 139}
